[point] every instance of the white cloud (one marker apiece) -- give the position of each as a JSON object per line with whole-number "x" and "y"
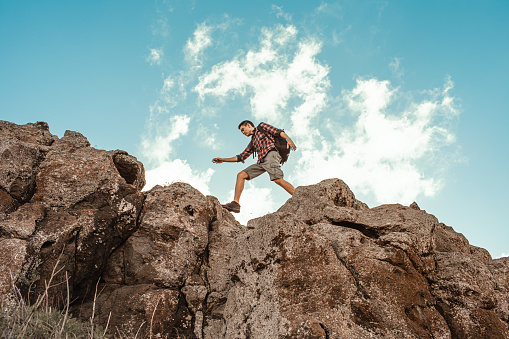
{"x": 382, "y": 153}
{"x": 201, "y": 40}
{"x": 178, "y": 171}
{"x": 281, "y": 69}
{"x": 207, "y": 136}
{"x": 396, "y": 68}
{"x": 255, "y": 202}
{"x": 280, "y": 13}
{"x": 155, "y": 56}
{"x": 503, "y": 255}
{"x": 158, "y": 146}
{"x": 380, "y": 140}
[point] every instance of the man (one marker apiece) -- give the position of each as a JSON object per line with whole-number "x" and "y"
{"x": 269, "y": 160}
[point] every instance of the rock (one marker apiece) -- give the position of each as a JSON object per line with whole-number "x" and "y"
{"x": 13, "y": 252}
{"x": 341, "y": 270}
{"x": 71, "y": 141}
{"x": 145, "y": 310}
{"x": 86, "y": 176}
{"x": 414, "y": 206}
{"x": 7, "y": 204}
{"x": 22, "y": 148}
{"x": 21, "y": 223}
{"x": 499, "y": 268}
{"x": 171, "y": 238}
{"x": 18, "y": 166}
{"x": 173, "y": 263}
{"x": 31, "y": 133}
{"x": 331, "y": 193}
{"x": 129, "y": 168}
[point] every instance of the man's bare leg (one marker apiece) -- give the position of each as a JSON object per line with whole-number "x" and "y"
{"x": 239, "y": 185}
{"x": 286, "y": 185}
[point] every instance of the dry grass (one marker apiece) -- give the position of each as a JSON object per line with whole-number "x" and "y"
{"x": 20, "y": 319}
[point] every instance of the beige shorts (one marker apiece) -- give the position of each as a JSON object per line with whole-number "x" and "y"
{"x": 270, "y": 164}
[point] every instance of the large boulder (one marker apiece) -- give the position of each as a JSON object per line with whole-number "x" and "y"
{"x": 170, "y": 240}
{"x": 90, "y": 211}
{"x": 68, "y": 204}
{"x": 180, "y": 250}
{"x": 325, "y": 265}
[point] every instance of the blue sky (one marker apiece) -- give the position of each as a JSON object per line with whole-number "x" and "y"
{"x": 403, "y": 100}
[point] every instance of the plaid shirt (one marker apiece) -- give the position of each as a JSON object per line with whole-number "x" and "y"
{"x": 262, "y": 142}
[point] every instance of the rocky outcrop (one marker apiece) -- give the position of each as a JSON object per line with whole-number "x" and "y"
{"x": 67, "y": 208}
{"x": 172, "y": 263}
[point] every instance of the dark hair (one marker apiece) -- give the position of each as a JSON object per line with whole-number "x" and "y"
{"x": 245, "y": 122}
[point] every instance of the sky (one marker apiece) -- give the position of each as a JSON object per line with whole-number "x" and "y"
{"x": 403, "y": 100}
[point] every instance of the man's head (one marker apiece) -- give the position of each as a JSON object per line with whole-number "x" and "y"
{"x": 247, "y": 128}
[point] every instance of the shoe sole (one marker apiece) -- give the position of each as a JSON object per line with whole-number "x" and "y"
{"x": 231, "y": 210}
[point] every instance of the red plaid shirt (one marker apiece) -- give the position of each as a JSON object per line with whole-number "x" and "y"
{"x": 262, "y": 142}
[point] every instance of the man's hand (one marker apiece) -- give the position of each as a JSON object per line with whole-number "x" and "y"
{"x": 217, "y": 160}
{"x": 289, "y": 141}
{"x": 290, "y": 144}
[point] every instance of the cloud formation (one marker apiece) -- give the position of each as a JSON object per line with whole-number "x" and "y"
{"x": 196, "y": 45}
{"x": 178, "y": 170}
{"x": 155, "y": 56}
{"x": 379, "y": 139}
{"x": 279, "y": 70}
{"x": 383, "y": 151}
{"x": 387, "y": 144}
{"x": 159, "y": 147}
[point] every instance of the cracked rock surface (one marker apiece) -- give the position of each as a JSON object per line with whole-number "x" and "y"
{"x": 172, "y": 263}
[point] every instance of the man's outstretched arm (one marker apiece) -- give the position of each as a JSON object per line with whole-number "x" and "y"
{"x": 220, "y": 160}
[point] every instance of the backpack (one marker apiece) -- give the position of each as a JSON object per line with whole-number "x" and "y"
{"x": 281, "y": 146}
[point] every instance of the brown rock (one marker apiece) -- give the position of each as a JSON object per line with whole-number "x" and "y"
{"x": 21, "y": 223}
{"x": 321, "y": 268}
{"x": 500, "y": 270}
{"x": 7, "y": 204}
{"x": 33, "y": 133}
{"x": 329, "y": 193}
{"x": 170, "y": 241}
{"x": 13, "y": 252}
{"x": 22, "y": 148}
{"x": 86, "y": 176}
{"x": 70, "y": 142}
{"x": 414, "y": 206}
{"x": 18, "y": 166}
{"x": 129, "y": 168}
{"x": 145, "y": 311}
{"x": 173, "y": 263}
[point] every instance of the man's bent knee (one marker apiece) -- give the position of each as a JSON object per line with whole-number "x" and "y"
{"x": 242, "y": 175}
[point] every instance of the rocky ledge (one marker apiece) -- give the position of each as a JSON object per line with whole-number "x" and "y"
{"x": 171, "y": 263}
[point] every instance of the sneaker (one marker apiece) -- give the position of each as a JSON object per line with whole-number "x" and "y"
{"x": 232, "y": 207}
